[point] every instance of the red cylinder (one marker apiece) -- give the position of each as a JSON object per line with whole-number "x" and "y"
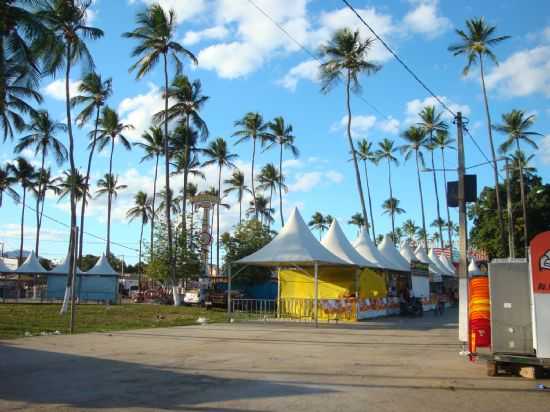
{"x": 479, "y": 313}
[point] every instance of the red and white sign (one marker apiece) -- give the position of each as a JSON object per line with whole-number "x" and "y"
{"x": 540, "y": 263}
{"x": 539, "y": 257}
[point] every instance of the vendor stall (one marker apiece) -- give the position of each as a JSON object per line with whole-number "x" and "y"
{"x": 398, "y": 271}
{"x": 420, "y": 279}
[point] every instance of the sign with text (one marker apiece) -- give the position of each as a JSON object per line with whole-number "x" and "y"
{"x": 540, "y": 263}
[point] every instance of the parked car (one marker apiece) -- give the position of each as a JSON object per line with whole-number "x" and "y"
{"x": 194, "y": 297}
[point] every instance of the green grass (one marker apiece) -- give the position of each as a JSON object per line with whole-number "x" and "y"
{"x": 17, "y": 319}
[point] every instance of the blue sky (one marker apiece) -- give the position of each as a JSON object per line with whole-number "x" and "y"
{"x": 247, "y": 64}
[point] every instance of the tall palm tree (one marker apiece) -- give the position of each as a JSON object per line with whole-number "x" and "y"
{"x": 421, "y": 235}
{"x": 94, "y": 92}
{"x": 153, "y": 145}
{"x": 357, "y": 220}
{"x": 7, "y": 180}
{"x": 236, "y": 184}
{"x": 44, "y": 183}
{"x": 283, "y": 136}
{"x": 252, "y": 127}
{"x": 269, "y": 179}
{"x": 366, "y": 154}
{"x": 515, "y": 125}
{"x": 439, "y": 224}
{"x": 431, "y": 122}
{"x": 261, "y": 205}
{"x": 410, "y": 229}
{"x": 191, "y": 191}
{"x": 318, "y": 222}
{"x": 218, "y": 153}
{"x": 391, "y": 207}
{"x": 141, "y": 210}
{"x": 64, "y": 47}
{"x": 188, "y": 100}
{"x": 156, "y": 33}
{"x": 24, "y": 173}
{"x": 346, "y": 57}
{"x": 387, "y": 152}
{"x": 519, "y": 160}
{"x": 108, "y": 185}
{"x": 110, "y": 130}
{"x": 416, "y": 138}
{"x": 443, "y": 141}
{"x": 475, "y": 43}
{"x": 73, "y": 184}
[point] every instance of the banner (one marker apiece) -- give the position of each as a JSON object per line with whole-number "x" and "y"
{"x": 540, "y": 263}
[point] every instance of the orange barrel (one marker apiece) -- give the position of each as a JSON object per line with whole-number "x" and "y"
{"x": 479, "y": 312}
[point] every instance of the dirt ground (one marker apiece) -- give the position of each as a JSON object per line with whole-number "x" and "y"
{"x": 391, "y": 364}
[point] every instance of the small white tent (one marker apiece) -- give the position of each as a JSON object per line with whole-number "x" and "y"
{"x": 407, "y": 253}
{"x": 31, "y": 266}
{"x": 336, "y": 242}
{"x": 366, "y": 248}
{"x": 473, "y": 269}
{"x": 434, "y": 258}
{"x": 421, "y": 255}
{"x": 420, "y": 284}
{"x": 392, "y": 256}
{"x": 447, "y": 265}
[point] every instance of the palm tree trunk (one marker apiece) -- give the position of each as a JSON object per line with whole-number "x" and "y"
{"x": 523, "y": 206}
{"x": 270, "y": 197}
{"x": 185, "y": 177}
{"x": 354, "y": 155}
{"x": 436, "y": 197}
{"x": 85, "y": 192}
{"x": 38, "y": 200}
{"x": 370, "y": 201}
{"x": 240, "y": 207}
{"x": 493, "y": 154}
{"x": 218, "y": 218}
{"x": 22, "y": 225}
{"x": 449, "y": 228}
{"x": 108, "y": 249}
{"x": 139, "y": 254}
{"x": 252, "y": 176}
{"x": 391, "y": 199}
{"x": 154, "y": 212}
{"x": 168, "y": 199}
{"x": 73, "y": 240}
{"x": 421, "y": 199}
{"x": 281, "y": 186}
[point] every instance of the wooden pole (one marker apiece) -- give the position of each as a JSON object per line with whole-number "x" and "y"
{"x": 278, "y": 292}
{"x": 316, "y": 293}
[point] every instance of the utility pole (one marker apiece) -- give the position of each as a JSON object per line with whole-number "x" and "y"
{"x": 463, "y": 333}
{"x": 511, "y": 247}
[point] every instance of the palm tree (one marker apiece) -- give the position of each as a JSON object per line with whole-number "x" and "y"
{"x": 236, "y": 184}
{"x": 436, "y": 237}
{"x": 421, "y": 235}
{"x": 73, "y": 184}
{"x": 410, "y": 229}
{"x": 252, "y": 128}
{"x": 416, "y": 138}
{"x": 45, "y": 183}
{"x": 64, "y": 47}
{"x": 7, "y": 180}
{"x": 391, "y": 207}
{"x": 155, "y": 33}
{"x": 270, "y": 179}
{"x": 443, "y": 141}
{"x": 516, "y": 125}
{"x": 218, "y": 153}
{"x": 265, "y": 212}
{"x": 153, "y": 146}
{"x": 24, "y": 173}
{"x": 346, "y": 55}
{"x": 141, "y": 210}
{"x": 283, "y": 136}
{"x": 519, "y": 160}
{"x": 366, "y": 154}
{"x": 386, "y": 151}
{"x": 476, "y": 44}
{"x": 188, "y": 102}
{"x": 94, "y": 92}
{"x": 357, "y": 220}
{"x": 318, "y": 222}
{"x": 110, "y": 130}
{"x": 398, "y": 235}
{"x": 108, "y": 185}
{"x": 439, "y": 224}
{"x": 432, "y": 123}
{"x": 192, "y": 190}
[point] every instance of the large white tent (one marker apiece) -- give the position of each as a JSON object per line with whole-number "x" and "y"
{"x": 366, "y": 248}
{"x": 447, "y": 264}
{"x": 434, "y": 258}
{"x": 407, "y": 253}
{"x": 392, "y": 256}
{"x": 336, "y": 242}
{"x": 31, "y": 266}
{"x": 421, "y": 255}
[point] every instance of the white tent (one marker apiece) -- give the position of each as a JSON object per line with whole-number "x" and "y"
{"x": 407, "y": 253}
{"x": 31, "y": 266}
{"x": 366, "y": 248}
{"x": 4, "y": 268}
{"x": 420, "y": 284}
{"x": 447, "y": 264}
{"x": 63, "y": 268}
{"x": 102, "y": 267}
{"x": 392, "y": 256}
{"x": 434, "y": 258}
{"x": 421, "y": 255}
{"x": 293, "y": 245}
{"x": 336, "y": 242}
{"x": 473, "y": 269}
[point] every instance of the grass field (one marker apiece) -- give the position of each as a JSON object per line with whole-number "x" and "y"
{"x": 17, "y": 319}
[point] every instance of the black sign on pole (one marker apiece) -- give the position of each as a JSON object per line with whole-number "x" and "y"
{"x": 470, "y": 190}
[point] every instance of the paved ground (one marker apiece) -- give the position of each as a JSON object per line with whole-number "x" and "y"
{"x": 385, "y": 365}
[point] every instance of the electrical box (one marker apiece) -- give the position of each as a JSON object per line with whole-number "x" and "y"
{"x": 511, "y": 322}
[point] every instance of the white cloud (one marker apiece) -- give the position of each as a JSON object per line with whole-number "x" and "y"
{"x": 424, "y": 19}
{"x": 231, "y": 60}
{"x": 212, "y": 33}
{"x": 139, "y": 110}
{"x": 415, "y": 106}
{"x": 523, "y": 73}
{"x": 544, "y": 149}
{"x": 360, "y": 124}
{"x": 56, "y": 89}
{"x": 305, "y": 182}
{"x": 388, "y": 125}
{"x": 308, "y": 70}
{"x": 184, "y": 10}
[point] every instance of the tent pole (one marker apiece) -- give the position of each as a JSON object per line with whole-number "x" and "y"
{"x": 278, "y": 292}
{"x": 229, "y": 288}
{"x": 315, "y": 292}
{"x": 357, "y": 274}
